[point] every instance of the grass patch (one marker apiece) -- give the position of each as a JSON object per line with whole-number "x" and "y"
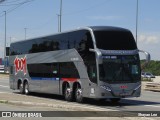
{"x": 4, "y": 101}
{"x": 147, "y": 79}
{"x": 4, "y": 73}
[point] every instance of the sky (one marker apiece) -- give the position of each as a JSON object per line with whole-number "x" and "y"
{"x": 40, "y": 17}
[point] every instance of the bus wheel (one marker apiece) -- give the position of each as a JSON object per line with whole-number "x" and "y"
{"x": 68, "y": 94}
{"x": 26, "y": 88}
{"x": 78, "y": 95}
{"x": 115, "y": 100}
{"x": 21, "y": 88}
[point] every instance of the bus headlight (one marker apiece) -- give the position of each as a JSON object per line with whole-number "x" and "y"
{"x": 106, "y": 88}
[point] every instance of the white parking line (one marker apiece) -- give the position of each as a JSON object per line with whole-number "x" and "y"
{"x": 4, "y": 86}
{"x": 5, "y": 92}
{"x": 152, "y": 105}
{"x": 86, "y": 106}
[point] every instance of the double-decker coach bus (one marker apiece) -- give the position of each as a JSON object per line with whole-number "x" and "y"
{"x": 98, "y": 62}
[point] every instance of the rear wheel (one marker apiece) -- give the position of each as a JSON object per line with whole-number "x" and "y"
{"x": 115, "y": 100}
{"x": 26, "y": 88}
{"x": 68, "y": 94}
{"x": 78, "y": 95}
{"x": 21, "y": 88}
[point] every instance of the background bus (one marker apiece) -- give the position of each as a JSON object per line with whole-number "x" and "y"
{"x": 94, "y": 62}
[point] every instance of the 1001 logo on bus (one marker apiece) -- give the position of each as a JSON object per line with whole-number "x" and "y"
{"x": 20, "y": 65}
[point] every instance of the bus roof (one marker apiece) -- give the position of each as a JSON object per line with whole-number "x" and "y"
{"x": 107, "y": 28}
{"x": 94, "y": 28}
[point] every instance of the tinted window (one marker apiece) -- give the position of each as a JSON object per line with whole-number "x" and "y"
{"x": 68, "y": 70}
{"x": 90, "y": 62}
{"x": 117, "y": 69}
{"x": 80, "y": 40}
{"x": 46, "y": 70}
{"x": 20, "y": 47}
{"x": 49, "y": 70}
{"x": 44, "y": 44}
{"x": 115, "y": 40}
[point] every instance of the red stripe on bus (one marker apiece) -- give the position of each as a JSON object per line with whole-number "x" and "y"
{"x": 69, "y": 79}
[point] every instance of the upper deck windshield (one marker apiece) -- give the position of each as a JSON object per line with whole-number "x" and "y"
{"x": 115, "y": 40}
{"x": 117, "y": 69}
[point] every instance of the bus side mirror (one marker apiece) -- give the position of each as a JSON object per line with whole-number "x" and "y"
{"x": 148, "y": 58}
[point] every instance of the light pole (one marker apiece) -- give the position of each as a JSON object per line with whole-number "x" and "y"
{"x": 58, "y": 22}
{"x": 60, "y": 17}
{"x": 10, "y": 40}
{"x": 137, "y": 10}
{"x": 5, "y": 36}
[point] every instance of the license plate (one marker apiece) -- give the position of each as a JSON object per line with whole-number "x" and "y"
{"x": 124, "y": 94}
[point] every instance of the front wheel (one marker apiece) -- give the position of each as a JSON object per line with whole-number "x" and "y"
{"x": 78, "y": 95}
{"x": 26, "y": 88}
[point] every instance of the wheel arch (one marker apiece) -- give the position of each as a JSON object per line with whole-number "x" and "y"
{"x": 75, "y": 85}
{"x": 25, "y": 80}
{"x": 19, "y": 81}
{"x": 64, "y": 84}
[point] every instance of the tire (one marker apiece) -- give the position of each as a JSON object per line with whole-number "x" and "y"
{"x": 21, "y": 88}
{"x": 26, "y": 88}
{"x": 115, "y": 100}
{"x": 68, "y": 94}
{"x": 78, "y": 95}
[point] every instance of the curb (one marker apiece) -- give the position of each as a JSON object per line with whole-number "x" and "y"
{"x": 32, "y": 103}
{"x": 4, "y": 76}
{"x": 64, "y": 107}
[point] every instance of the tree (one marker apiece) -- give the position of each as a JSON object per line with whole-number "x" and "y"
{"x": 153, "y": 67}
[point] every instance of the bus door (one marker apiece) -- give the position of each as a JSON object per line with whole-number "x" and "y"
{"x": 90, "y": 63}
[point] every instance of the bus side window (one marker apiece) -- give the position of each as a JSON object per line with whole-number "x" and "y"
{"x": 86, "y": 43}
{"x": 55, "y": 69}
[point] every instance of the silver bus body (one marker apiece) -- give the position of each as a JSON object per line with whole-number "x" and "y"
{"x": 91, "y": 77}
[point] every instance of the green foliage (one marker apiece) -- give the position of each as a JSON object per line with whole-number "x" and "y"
{"x": 147, "y": 79}
{"x": 153, "y": 67}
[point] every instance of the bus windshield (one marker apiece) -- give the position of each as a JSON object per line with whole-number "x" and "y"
{"x": 115, "y": 40}
{"x": 117, "y": 69}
